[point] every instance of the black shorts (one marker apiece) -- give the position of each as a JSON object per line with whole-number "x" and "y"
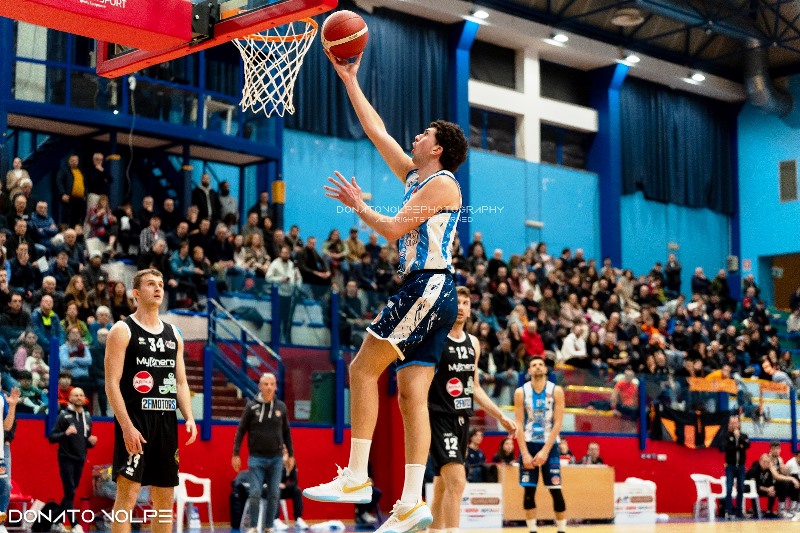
{"x": 449, "y": 440}
{"x": 551, "y": 469}
{"x": 157, "y": 466}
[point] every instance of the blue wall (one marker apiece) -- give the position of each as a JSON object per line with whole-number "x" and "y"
{"x": 510, "y": 190}
{"x": 768, "y": 226}
{"x": 307, "y": 162}
{"x": 505, "y": 192}
{"x": 648, "y": 227}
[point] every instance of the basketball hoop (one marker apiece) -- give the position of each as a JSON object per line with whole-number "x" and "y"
{"x": 272, "y": 59}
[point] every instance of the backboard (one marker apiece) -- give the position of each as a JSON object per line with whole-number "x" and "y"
{"x": 210, "y": 24}
{"x": 139, "y": 23}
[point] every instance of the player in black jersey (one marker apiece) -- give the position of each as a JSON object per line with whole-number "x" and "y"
{"x": 145, "y": 383}
{"x": 450, "y": 398}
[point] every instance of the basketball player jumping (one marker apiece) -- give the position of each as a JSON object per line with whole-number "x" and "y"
{"x": 414, "y": 324}
{"x": 539, "y": 410}
{"x": 453, "y": 390}
{"x": 145, "y": 382}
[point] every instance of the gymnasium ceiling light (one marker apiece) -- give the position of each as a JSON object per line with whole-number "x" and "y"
{"x": 629, "y": 58}
{"x": 627, "y": 17}
{"x": 481, "y": 14}
{"x": 557, "y": 39}
{"x": 698, "y": 76}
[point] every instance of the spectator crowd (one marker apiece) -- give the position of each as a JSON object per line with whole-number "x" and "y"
{"x": 55, "y": 284}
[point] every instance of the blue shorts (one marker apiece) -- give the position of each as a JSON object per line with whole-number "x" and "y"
{"x": 551, "y": 469}
{"x": 418, "y": 318}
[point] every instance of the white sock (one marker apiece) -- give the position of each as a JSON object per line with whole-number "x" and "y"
{"x": 359, "y": 457}
{"x": 561, "y": 525}
{"x": 436, "y": 530}
{"x": 451, "y": 530}
{"x": 531, "y": 524}
{"x": 412, "y": 487}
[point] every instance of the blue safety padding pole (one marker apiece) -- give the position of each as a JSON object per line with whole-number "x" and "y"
{"x": 642, "y": 415}
{"x": 338, "y": 428}
{"x": 208, "y": 374}
{"x": 275, "y": 322}
{"x": 52, "y": 393}
{"x": 793, "y": 405}
{"x": 336, "y": 352}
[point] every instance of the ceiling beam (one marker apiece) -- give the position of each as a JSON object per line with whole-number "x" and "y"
{"x": 688, "y": 15}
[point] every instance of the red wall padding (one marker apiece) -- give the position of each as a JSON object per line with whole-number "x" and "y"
{"x": 36, "y": 470}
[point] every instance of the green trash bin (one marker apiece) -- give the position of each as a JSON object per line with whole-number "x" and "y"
{"x": 323, "y": 397}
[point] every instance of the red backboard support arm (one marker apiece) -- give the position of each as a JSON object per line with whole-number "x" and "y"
{"x": 145, "y": 24}
{"x": 226, "y": 30}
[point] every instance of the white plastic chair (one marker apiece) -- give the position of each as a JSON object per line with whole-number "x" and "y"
{"x": 182, "y": 497}
{"x": 750, "y": 493}
{"x": 703, "y": 484}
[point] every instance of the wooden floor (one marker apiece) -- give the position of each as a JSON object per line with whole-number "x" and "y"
{"x": 681, "y": 526}
{"x": 744, "y": 526}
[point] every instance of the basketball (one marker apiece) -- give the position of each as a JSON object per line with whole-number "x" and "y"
{"x": 345, "y": 34}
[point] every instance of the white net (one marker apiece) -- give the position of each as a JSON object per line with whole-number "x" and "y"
{"x": 272, "y": 60}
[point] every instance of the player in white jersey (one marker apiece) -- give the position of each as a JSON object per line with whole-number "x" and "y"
{"x": 414, "y": 324}
{"x": 539, "y": 410}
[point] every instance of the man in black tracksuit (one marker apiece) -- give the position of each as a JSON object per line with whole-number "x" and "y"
{"x": 736, "y": 445}
{"x": 266, "y": 422}
{"x": 73, "y": 433}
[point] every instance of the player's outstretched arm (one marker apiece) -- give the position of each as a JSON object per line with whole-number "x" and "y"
{"x": 482, "y": 399}
{"x": 184, "y": 395}
{"x": 429, "y": 201}
{"x": 373, "y": 125}
{"x": 117, "y": 343}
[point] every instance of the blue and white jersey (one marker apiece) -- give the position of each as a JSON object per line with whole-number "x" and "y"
{"x": 539, "y": 409}
{"x": 428, "y": 246}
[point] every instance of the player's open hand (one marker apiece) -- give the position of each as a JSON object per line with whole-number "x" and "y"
{"x": 347, "y": 192}
{"x": 14, "y": 397}
{"x": 343, "y": 67}
{"x": 191, "y": 429}
{"x": 133, "y": 440}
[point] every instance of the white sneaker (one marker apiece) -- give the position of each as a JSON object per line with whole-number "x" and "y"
{"x": 252, "y": 530}
{"x": 278, "y": 525}
{"x": 407, "y": 518}
{"x": 77, "y": 528}
{"x": 344, "y": 488}
{"x": 300, "y": 524}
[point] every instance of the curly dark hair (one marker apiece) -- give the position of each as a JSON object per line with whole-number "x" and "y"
{"x": 454, "y": 145}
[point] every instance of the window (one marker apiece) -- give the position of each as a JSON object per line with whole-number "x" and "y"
{"x": 564, "y": 147}
{"x": 493, "y": 64}
{"x": 564, "y": 84}
{"x": 492, "y": 131}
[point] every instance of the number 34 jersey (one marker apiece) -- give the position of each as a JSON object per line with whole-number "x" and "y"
{"x": 148, "y": 375}
{"x": 452, "y": 387}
